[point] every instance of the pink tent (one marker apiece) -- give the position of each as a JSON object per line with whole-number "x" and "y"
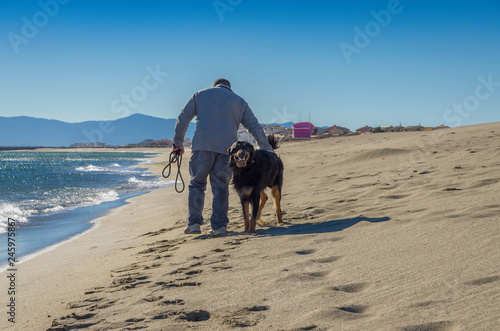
{"x": 302, "y": 130}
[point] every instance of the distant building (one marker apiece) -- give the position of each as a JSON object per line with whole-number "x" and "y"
{"x": 337, "y": 130}
{"x": 398, "y": 128}
{"x": 302, "y": 130}
{"x": 441, "y": 127}
{"x": 275, "y": 129}
{"x": 364, "y": 129}
{"x": 413, "y": 128}
{"x": 318, "y": 131}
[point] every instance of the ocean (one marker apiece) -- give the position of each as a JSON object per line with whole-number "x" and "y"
{"x": 53, "y": 196}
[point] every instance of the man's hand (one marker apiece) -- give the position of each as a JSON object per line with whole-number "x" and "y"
{"x": 178, "y": 149}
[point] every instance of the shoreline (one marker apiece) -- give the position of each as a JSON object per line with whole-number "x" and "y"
{"x": 60, "y": 227}
{"x": 58, "y": 264}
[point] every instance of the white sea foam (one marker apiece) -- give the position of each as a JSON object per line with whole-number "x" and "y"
{"x": 54, "y": 209}
{"x": 149, "y": 184}
{"x": 97, "y": 199}
{"x": 8, "y": 210}
{"x": 144, "y": 161}
{"x": 106, "y": 196}
{"x": 112, "y": 168}
{"x": 90, "y": 168}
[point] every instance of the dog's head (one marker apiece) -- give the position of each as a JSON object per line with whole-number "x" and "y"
{"x": 241, "y": 154}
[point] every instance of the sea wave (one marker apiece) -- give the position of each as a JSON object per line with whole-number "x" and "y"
{"x": 22, "y": 211}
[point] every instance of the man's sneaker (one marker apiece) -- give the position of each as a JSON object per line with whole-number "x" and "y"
{"x": 194, "y": 228}
{"x": 219, "y": 232}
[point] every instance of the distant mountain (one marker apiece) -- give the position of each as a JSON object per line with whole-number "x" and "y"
{"x": 29, "y": 131}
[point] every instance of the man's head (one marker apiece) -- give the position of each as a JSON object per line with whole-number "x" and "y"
{"x": 222, "y": 81}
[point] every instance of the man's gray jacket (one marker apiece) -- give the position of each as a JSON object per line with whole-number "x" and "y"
{"x": 219, "y": 112}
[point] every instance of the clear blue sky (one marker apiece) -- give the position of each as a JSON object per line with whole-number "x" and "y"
{"x": 345, "y": 62}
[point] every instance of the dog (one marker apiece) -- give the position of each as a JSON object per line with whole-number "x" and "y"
{"x": 254, "y": 171}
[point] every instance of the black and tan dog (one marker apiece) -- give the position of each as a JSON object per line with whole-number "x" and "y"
{"x": 254, "y": 171}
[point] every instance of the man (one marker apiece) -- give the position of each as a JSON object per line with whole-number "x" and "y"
{"x": 219, "y": 112}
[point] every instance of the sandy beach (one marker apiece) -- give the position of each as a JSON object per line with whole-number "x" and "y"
{"x": 388, "y": 231}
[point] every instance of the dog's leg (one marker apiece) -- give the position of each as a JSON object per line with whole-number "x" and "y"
{"x": 246, "y": 215}
{"x": 263, "y": 199}
{"x": 255, "y": 210}
{"x": 277, "y": 203}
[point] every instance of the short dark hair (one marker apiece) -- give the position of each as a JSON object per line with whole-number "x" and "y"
{"x": 222, "y": 81}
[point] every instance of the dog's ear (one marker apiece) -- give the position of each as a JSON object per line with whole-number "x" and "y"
{"x": 231, "y": 151}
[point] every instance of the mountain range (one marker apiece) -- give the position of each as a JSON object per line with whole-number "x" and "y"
{"x": 29, "y": 131}
{"x": 22, "y": 131}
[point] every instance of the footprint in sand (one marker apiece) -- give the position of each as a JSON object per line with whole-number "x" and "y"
{"x": 305, "y": 252}
{"x": 94, "y": 290}
{"x": 170, "y": 284}
{"x": 130, "y": 267}
{"x": 245, "y": 317}
{"x": 395, "y": 196}
{"x": 72, "y": 322}
{"x": 152, "y": 298}
{"x": 192, "y": 316}
{"x": 348, "y": 312}
{"x": 328, "y": 240}
{"x": 155, "y": 233}
{"x": 195, "y": 316}
{"x": 303, "y": 276}
{"x": 327, "y": 259}
{"x": 484, "y": 280}
{"x": 101, "y": 306}
{"x": 176, "y": 302}
{"x": 128, "y": 282}
{"x": 350, "y": 288}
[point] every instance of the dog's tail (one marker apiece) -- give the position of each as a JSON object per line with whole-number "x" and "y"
{"x": 273, "y": 141}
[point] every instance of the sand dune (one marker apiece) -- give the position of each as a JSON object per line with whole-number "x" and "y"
{"x": 389, "y": 231}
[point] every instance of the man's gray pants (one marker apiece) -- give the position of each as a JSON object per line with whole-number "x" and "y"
{"x": 201, "y": 165}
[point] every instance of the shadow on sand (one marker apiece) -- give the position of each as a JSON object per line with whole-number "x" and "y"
{"x": 323, "y": 227}
{"x": 305, "y": 228}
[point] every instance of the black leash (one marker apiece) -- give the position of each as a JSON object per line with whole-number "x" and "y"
{"x": 175, "y": 157}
